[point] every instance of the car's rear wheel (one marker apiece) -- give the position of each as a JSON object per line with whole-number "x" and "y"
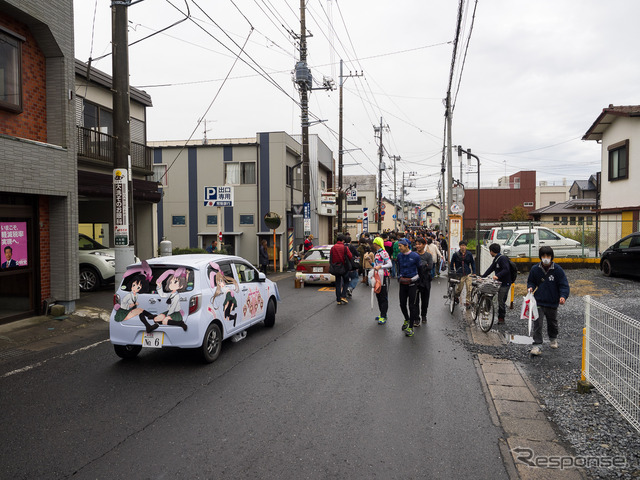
{"x": 270, "y": 316}
{"x": 89, "y": 279}
{"x": 211, "y": 344}
{"x": 127, "y": 351}
{"x": 606, "y": 268}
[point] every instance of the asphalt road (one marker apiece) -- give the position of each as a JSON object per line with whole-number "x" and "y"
{"x": 326, "y": 393}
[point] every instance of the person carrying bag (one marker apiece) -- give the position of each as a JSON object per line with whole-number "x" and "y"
{"x": 340, "y": 266}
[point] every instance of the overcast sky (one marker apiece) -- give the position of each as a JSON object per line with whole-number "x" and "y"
{"x": 536, "y": 76}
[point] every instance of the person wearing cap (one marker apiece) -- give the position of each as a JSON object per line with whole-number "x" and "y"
{"x": 424, "y": 284}
{"x": 382, "y": 264}
{"x": 408, "y": 264}
{"x": 463, "y": 264}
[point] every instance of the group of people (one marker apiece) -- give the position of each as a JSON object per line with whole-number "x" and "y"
{"x": 415, "y": 260}
{"x": 411, "y": 258}
{"x": 547, "y": 281}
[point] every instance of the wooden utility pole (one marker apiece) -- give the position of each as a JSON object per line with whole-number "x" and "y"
{"x": 378, "y": 131}
{"x": 305, "y": 85}
{"x": 395, "y": 196}
{"x": 340, "y": 146}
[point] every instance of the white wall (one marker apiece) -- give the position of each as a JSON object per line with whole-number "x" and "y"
{"x": 621, "y": 193}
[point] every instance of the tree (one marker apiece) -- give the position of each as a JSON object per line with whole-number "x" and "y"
{"x": 516, "y": 214}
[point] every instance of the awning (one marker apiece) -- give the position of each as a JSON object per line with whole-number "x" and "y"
{"x": 100, "y": 185}
{"x": 202, "y": 234}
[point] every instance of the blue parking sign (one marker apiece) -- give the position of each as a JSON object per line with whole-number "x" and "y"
{"x": 218, "y": 196}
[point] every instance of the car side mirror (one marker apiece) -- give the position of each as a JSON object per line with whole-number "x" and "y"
{"x": 261, "y": 277}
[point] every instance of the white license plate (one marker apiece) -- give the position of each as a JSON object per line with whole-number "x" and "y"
{"x": 153, "y": 339}
{"x": 318, "y": 269}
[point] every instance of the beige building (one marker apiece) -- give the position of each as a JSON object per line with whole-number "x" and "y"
{"x": 265, "y": 175}
{"x": 361, "y": 193}
{"x": 550, "y": 194}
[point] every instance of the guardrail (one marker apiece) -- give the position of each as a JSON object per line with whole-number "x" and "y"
{"x": 612, "y": 357}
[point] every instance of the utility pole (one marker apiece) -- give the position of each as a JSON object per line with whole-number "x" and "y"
{"x": 449, "y": 155}
{"x": 122, "y": 174}
{"x": 395, "y": 197}
{"x": 340, "y": 148}
{"x": 305, "y": 84}
{"x": 378, "y": 131}
{"x": 408, "y": 174}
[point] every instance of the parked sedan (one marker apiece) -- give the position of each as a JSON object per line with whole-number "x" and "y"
{"x": 527, "y": 242}
{"x": 623, "y": 257}
{"x": 190, "y": 301}
{"x": 97, "y": 263}
{"x": 314, "y": 267}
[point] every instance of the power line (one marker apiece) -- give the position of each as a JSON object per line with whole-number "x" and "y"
{"x": 473, "y": 18}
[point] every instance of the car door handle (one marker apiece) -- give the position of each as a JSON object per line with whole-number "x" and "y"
{"x": 245, "y": 289}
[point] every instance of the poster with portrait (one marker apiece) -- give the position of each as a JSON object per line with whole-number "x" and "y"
{"x": 13, "y": 240}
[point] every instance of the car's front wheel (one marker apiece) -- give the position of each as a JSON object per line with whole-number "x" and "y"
{"x": 211, "y": 344}
{"x": 127, "y": 351}
{"x": 89, "y": 279}
{"x": 606, "y": 268}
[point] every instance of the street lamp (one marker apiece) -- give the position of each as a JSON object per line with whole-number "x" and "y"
{"x": 469, "y": 155}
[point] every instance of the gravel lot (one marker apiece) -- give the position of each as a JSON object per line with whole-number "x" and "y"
{"x": 587, "y": 422}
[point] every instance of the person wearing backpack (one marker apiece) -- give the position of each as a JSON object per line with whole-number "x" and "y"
{"x": 339, "y": 267}
{"x": 501, "y": 266}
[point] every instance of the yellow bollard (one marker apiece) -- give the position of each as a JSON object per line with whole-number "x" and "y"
{"x": 512, "y": 292}
{"x": 583, "y": 385}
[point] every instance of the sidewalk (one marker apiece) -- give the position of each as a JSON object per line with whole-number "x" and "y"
{"x": 530, "y": 438}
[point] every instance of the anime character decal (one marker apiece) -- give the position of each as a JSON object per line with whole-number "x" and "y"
{"x": 254, "y": 304}
{"x": 136, "y": 281}
{"x": 224, "y": 302}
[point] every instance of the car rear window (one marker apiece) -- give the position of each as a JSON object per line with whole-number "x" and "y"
{"x": 504, "y": 234}
{"x": 164, "y": 273}
{"x": 317, "y": 255}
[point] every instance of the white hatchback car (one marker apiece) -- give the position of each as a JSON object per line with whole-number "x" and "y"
{"x": 190, "y": 301}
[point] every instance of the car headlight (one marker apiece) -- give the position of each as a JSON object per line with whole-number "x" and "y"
{"x": 112, "y": 263}
{"x": 101, "y": 254}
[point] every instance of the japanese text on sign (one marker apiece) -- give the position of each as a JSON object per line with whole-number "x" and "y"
{"x": 218, "y": 196}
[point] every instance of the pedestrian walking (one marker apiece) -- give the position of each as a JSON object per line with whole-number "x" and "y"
{"x": 550, "y": 288}
{"x": 435, "y": 255}
{"x": 408, "y": 263}
{"x": 424, "y": 282}
{"x": 463, "y": 264}
{"x": 263, "y": 256}
{"x": 355, "y": 265}
{"x": 367, "y": 262}
{"x": 394, "y": 257}
{"x": 339, "y": 267}
{"x": 382, "y": 264}
{"x": 501, "y": 267}
{"x": 213, "y": 247}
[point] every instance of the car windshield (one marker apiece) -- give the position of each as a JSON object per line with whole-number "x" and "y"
{"x": 88, "y": 243}
{"x": 317, "y": 254}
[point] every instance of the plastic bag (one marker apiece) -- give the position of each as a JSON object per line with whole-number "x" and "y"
{"x": 375, "y": 280}
{"x": 443, "y": 265}
{"x": 529, "y": 310}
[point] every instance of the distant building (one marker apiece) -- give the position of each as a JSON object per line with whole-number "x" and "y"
{"x": 266, "y": 176}
{"x": 550, "y": 194}
{"x": 518, "y": 189}
{"x": 366, "y": 190}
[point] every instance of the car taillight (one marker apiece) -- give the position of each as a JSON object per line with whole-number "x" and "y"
{"x": 194, "y": 304}
{"x": 116, "y": 299}
{"x": 301, "y": 268}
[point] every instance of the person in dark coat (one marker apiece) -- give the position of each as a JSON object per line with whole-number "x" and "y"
{"x": 550, "y": 287}
{"x": 500, "y": 266}
{"x": 263, "y": 256}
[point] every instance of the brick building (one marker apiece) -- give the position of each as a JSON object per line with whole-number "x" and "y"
{"x": 38, "y": 188}
{"x": 517, "y": 189}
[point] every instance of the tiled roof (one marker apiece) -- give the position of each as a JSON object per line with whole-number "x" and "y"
{"x": 607, "y": 117}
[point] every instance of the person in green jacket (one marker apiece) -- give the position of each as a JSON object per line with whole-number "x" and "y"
{"x": 394, "y": 257}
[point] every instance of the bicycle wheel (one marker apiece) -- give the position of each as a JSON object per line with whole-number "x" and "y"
{"x": 485, "y": 313}
{"x": 452, "y": 298}
{"x": 473, "y": 304}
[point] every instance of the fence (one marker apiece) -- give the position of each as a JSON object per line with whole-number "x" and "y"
{"x": 594, "y": 234}
{"x": 612, "y": 358}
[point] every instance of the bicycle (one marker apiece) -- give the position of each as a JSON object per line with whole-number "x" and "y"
{"x": 452, "y": 298}
{"x": 481, "y": 301}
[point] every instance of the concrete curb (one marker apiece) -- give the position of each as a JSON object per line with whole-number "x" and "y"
{"x": 531, "y": 445}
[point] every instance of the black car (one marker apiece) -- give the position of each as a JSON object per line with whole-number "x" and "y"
{"x": 623, "y": 257}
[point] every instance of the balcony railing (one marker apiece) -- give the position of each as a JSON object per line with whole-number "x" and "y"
{"x": 100, "y": 147}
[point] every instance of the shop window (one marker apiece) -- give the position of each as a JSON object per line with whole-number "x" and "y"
{"x": 10, "y": 71}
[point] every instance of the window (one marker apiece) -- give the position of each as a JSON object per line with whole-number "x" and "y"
{"x": 572, "y": 220}
{"x": 239, "y": 173}
{"x": 528, "y": 204}
{"x": 589, "y": 220}
{"x": 97, "y": 118}
{"x": 618, "y": 160}
{"x": 323, "y": 184}
{"x": 246, "y": 219}
{"x": 516, "y": 182}
{"x": 246, "y": 273}
{"x": 547, "y": 235}
{"x": 556, "y": 220}
{"x": 212, "y": 219}
{"x": 10, "y": 71}
{"x": 552, "y": 202}
{"x": 178, "y": 220}
{"x": 581, "y": 220}
{"x": 524, "y": 239}
{"x": 564, "y": 220}
{"x": 289, "y": 176}
{"x": 160, "y": 174}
